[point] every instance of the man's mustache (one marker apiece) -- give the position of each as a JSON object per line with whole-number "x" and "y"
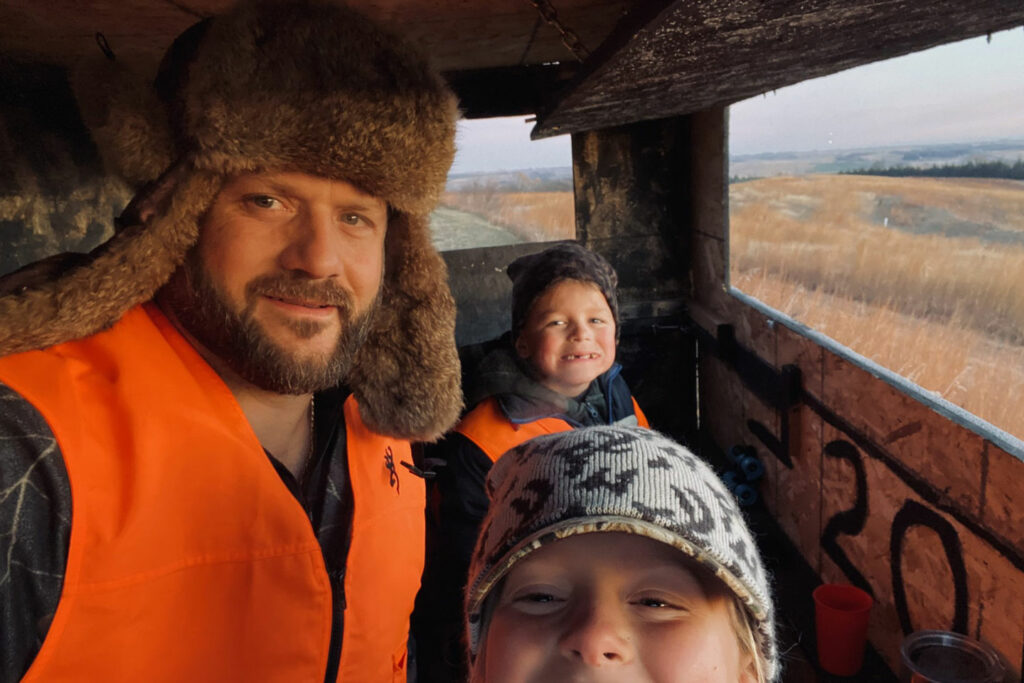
{"x": 286, "y": 286}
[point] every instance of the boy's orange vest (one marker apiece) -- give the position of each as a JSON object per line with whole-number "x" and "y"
{"x": 493, "y": 433}
{"x": 189, "y": 559}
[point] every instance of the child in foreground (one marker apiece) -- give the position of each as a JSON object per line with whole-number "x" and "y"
{"x": 613, "y": 553}
{"x": 557, "y": 372}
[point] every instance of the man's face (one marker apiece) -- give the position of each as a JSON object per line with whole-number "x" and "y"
{"x": 283, "y": 279}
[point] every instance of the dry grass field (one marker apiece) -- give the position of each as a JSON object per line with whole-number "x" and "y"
{"x": 531, "y": 216}
{"x": 922, "y": 275}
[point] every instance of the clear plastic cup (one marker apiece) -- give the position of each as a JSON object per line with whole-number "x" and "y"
{"x": 945, "y": 657}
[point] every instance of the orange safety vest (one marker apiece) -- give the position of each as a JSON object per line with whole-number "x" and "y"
{"x": 189, "y": 559}
{"x": 493, "y": 433}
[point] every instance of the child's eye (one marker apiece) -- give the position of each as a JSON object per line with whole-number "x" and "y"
{"x": 538, "y": 603}
{"x": 659, "y": 603}
{"x": 597, "y": 321}
{"x": 653, "y": 602}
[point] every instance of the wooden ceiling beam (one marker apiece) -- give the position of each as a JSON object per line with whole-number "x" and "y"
{"x": 687, "y": 55}
{"x": 468, "y": 34}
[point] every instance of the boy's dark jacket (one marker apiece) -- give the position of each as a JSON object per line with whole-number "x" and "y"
{"x": 459, "y": 501}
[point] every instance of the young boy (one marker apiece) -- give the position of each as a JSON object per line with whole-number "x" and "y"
{"x": 613, "y": 553}
{"x": 558, "y": 373}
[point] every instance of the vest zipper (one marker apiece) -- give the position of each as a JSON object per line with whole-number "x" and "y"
{"x": 337, "y": 577}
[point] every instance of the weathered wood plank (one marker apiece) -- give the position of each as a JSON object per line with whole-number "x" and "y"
{"x": 943, "y": 455}
{"x": 799, "y": 490}
{"x": 721, "y": 403}
{"x": 693, "y": 56}
{"x": 795, "y": 349}
{"x": 997, "y": 586}
{"x": 707, "y": 276}
{"x": 631, "y": 205}
{"x": 471, "y": 34}
{"x": 758, "y": 332}
{"x": 1003, "y": 510}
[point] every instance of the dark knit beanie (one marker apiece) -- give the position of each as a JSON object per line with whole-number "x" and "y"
{"x": 532, "y": 275}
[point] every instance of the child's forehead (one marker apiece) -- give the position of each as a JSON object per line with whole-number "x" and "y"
{"x": 615, "y": 548}
{"x": 560, "y": 288}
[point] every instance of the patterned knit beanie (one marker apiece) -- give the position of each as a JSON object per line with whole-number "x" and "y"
{"x": 623, "y": 479}
{"x": 533, "y": 274}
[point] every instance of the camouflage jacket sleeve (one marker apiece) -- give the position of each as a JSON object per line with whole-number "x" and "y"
{"x": 35, "y": 527}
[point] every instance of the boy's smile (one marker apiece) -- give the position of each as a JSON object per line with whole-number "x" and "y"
{"x": 569, "y": 337}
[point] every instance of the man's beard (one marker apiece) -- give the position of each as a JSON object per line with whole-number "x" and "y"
{"x": 238, "y": 340}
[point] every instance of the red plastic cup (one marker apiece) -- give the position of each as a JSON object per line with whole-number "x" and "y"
{"x": 841, "y": 620}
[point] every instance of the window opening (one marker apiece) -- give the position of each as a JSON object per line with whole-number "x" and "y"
{"x": 884, "y": 207}
{"x": 504, "y": 188}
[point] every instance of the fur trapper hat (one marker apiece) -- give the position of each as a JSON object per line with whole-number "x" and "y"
{"x": 305, "y": 86}
{"x": 534, "y": 274}
{"x": 616, "y": 479}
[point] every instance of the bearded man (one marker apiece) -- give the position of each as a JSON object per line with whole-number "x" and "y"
{"x": 205, "y": 470}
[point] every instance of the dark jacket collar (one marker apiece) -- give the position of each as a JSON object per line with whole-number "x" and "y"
{"x": 507, "y": 378}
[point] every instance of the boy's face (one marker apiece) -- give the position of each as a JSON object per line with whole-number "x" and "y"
{"x": 568, "y": 336}
{"x": 610, "y": 607}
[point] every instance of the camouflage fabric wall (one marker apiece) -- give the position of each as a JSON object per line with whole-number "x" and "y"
{"x": 54, "y": 195}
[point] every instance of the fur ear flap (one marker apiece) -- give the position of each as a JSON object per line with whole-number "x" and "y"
{"x": 125, "y": 118}
{"x": 406, "y": 375}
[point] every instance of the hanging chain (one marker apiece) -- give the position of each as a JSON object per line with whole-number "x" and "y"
{"x": 569, "y": 38}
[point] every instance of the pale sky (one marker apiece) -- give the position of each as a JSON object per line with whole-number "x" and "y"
{"x": 962, "y": 92}
{"x": 504, "y": 144}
